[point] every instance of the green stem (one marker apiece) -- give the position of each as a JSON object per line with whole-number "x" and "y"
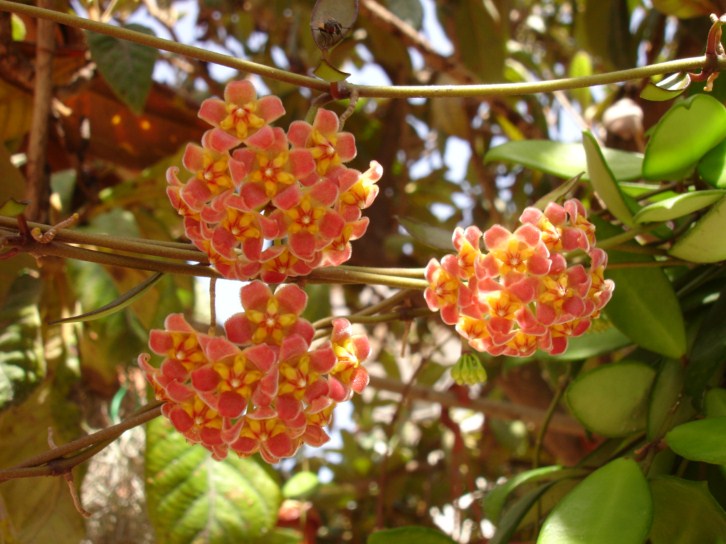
{"x": 403, "y": 91}
{"x": 417, "y": 273}
{"x": 352, "y": 275}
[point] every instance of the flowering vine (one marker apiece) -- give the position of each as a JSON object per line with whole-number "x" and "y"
{"x": 521, "y": 294}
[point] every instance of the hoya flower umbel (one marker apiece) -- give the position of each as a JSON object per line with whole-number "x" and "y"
{"x": 522, "y": 294}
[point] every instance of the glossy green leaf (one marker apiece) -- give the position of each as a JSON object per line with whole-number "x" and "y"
{"x": 190, "y": 495}
{"x": 409, "y": 535}
{"x": 708, "y": 351}
{"x": 666, "y": 89}
{"x": 712, "y": 167}
{"x": 12, "y": 208}
{"x": 667, "y": 407}
{"x": 564, "y": 160}
{"x": 18, "y": 28}
{"x": 612, "y": 400}
{"x": 715, "y": 402}
{"x": 703, "y": 440}
{"x": 126, "y": 66}
{"x": 611, "y": 505}
{"x": 428, "y": 235}
{"x": 683, "y": 135}
{"x": 495, "y": 500}
{"x": 678, "y": 206}
{"x": 644, "y": 305}
{"x": 685, "y": 512}
{"x": 516, "y": 513}
{"x": 301, "y": 485}
{"x": 603, "y": 181}
{"x": 121, "y": 302}
{"x": 22, "y": 363}
{"x": 704, "y": 242}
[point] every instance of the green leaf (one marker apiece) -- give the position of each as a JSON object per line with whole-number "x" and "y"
{"x": 581, "y": 66}
{"x": 644, "y": 305}
{"x": 410, "y": 11}
{"x": 685, "y": 9}
{"x": 594, "y": 342}
{"x": 18, "y": 28}
{"x": 13, "y": 208}
{"x": 514, "y": 515}
{"x": 126, "y": 66}
{"x": 301, "y": 485}
{"x": 564, "y": 160}
{"x": 666, "y": 89}
{"x": 330, "y": 73}
{"x": 409, "y": 535}
{"x": 712, "y": 167}
{"x": 495, "y": 500}
{"x": 121, "y": 302}
{"x": 430, "y": 236}
{"x": 611, "y": 505}
{"x": 715, "y": 403}
{"x": 603, "y": 181}
{"x": 704, "y": 242}
{"x": 665, "y": 398}
{"x": 708, "y": 352}
{"x": 682, "y": 136}
{"x": 191, "y": 496}
{"x": 612, "y": 400}
{"x": 703, "y": 440}
{"x": 678, "y": 206}
{"x": 22, "y": 363}
{"x": 685, "y": 512}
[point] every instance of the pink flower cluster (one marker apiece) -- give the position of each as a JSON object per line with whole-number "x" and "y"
{"x": 261, "y": 387}
{"x": 521, "y": 294}
{"x": 263, "y": 202}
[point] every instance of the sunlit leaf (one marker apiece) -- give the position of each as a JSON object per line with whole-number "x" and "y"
{"x": 612, "y": 400}
{"x": 18, "y": 28}
{"x": 613, "y": 504}
{"x": 424, "y": 233}
{"x": 330, "y": 73}
{"x": 564, "y": 160}
{"x": 686, "y": 9}
{"x": 666, "y": 89}
{"x": 190, "y": 494}
{"x": 301, "y": 485}
{"x": 558, "y": 193}
{"x": 682, "y": 136}
{"x": 685, "y": 512}
{"x": 678, "y": 206}
{"x": 12, "y": 207}
{"x": 704, "y": 242}
{"x": 22, "y": 363}
{"x": 126, "y": 66}
{"x": 514, "y": 515}
{"x": 581, "y": 66}
{"x": 603, "y": 181}
{"x": 703, "y": 440}
{"x": 409, "y": 535}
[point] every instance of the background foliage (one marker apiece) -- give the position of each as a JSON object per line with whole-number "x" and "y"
{"x": 635, "y": 447}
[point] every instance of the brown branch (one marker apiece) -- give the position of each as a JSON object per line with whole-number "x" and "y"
{"x": 492, "y": 408}
{"x": 37, "y": 188}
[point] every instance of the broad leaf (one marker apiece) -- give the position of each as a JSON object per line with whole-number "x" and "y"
{"x": 595, "y": 341}
{"x": 613, "y": 504}
{"x": 708, "y": 352}
{"x": 612, "y": 400}
{"x": 683, "y": 135}
{"x": 644, "y": 305}
{"x": 564, "y": 160}
{"x": 126, "y": 66}
{"x": 480, "y": 27}
{"x": 192, "y": 496}
{"x": 685, "y": 512}
{"x": 301, "y": 485}
{"x": 495, "y": 500}
{"x": 715, "y": 403}
{"x": 686, "y": 9}
{"x": 703, "y": 440}
{"x": 678, "y": 206}
{"x": 16, "y": 112}
{"x": 712, "y": 167}
{"x": 514, "y": 515}
{"x": 428, "y": 235}
{"x": 603, "y": 181}
{"x": 409, "y": 535}
{"x": 22, "y": 363}
{"x": 704, "y": 242}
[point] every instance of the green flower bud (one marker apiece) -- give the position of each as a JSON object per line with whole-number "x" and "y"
{"x": 468, "y": 370}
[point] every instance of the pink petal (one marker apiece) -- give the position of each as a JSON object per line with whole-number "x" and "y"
{"x": 326, "y": 121}
{"x": 495, "y": 236}
{"x": 205, "y": 379}
{"x": 288, "y": 407}
{"x": 529, "y": 234}
{"x": 219, "y": 140}
{"x": 213, "y": 110}
{"x": 231, "y": 404}
{"x": 160, "y": 342}
{"x": 288, "y": 198}
{"x": 193, "y": 158}
{"x": 280, "y": 445}
{"x": 255, "y": 295}
{"x": 325, "y": 192}
{"x": 360, "y": 380}
{"x": 556, "y": 213}
{"x": 217, "y": 348}
{"x": 302, "y": 245}
{"x": 240, "y": 92}
{"x": 180, "y": 419}
{"x": 298, "y": 133}
{"x": 345, "y": 147}
{"x": 238, "y": 329}
{"x": 301, "y": 162}
{"x": 270, "y": 108}
{"x": 315, "y": 436}
{"x": 292, "y": 347}
{"x": 292, "y": 297}
{"x": 530, "y": 215}
{"x": 262, "y": 139}
{"x": 323, "y": 359}
{"x": 338, "y": 392}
